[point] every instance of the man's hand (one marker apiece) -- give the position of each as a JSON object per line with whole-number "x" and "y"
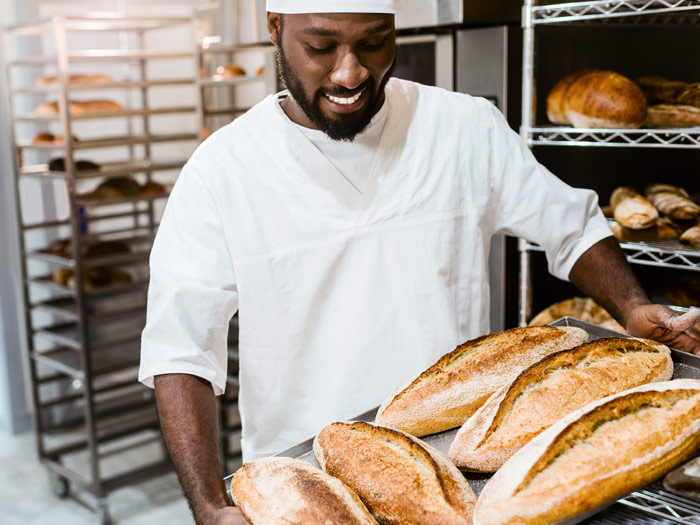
{"x": 654, "y": 321}
{"x": 228, "y": 516}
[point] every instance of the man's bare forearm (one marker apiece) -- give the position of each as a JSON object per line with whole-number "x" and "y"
{"x": 602, "y": 272}
{"x": 188, "y": 417}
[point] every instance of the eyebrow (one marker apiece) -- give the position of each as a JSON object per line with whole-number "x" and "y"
{"x": 318, "y": 31}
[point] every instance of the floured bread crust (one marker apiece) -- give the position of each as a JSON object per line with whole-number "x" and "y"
{"x": 400, "y": 479}
{"x": 596, "y": 454}
{"x": 449, "y": 392}
{"x": 551, "y": 389}
{"x": 285, "y": 491}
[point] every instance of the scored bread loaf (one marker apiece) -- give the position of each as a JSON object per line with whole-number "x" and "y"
{"x": 670, "y": 91}
{"x": 663, "y": 228}
{"x": 597, "y": 99}
{"x": 550, "y": 389}
{"x": 399, "y": 478}
{"x": 672, "y": 200}
{"x": 583, "y": 308}
{"x": 595, "y": 454}
{"x": 632, "y": 210}
{"x": 691, "y": 236}
{"x": 285, "y": 491}
{"x": 672, "y": 115}
{"x": 447, "y": 393}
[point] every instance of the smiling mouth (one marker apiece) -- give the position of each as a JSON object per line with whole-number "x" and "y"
{"x": 346, "y": 101}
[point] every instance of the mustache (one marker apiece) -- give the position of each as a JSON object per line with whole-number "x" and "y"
{"x": 347, "y": 93}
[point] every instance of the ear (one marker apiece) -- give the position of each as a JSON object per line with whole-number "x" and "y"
{"x": 273, "y": 27}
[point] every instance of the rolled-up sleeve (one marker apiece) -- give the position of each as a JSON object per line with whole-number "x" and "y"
{"x": 192, "y": 293}
{"x": 536, "y": 205}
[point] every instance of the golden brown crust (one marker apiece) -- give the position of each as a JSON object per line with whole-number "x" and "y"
{"x": 632, "y": 210}
{"x": 583, "y": 308}
{"x": 672, "y": 115}
{"x": 672, "y": 200}
{"x": 596, "y": 454}
{"x": 400, "y": 479}
{"x": 76, "y": 79}
{"x": 659, "y": 89}
{"x": 597, "y": 99}
{"x": 288, "y": 491}
{"x": 550, "y": 389}
{"x": 451, "y": 390}
{"x": 664, "y": 228}
{"x": 80, "y": 107}
{"x": 691, "y": 236}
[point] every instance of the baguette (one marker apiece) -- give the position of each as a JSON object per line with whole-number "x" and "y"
{"x": 551, "y": 389}
{"x": 632, "y": 210}
{"x": 596, "y": 454}
{"x": 447, "y": 393}
{"x": 285, "y": 491}
{"x": 80, "y": 107}
{"x": 672, "y": 200}
{"x": 399, "y": 478}
{"x": 664, "y": 228}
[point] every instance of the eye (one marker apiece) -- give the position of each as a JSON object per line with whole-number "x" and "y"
{"x": 319, "y": 50}
{"x": 371, "y": 46}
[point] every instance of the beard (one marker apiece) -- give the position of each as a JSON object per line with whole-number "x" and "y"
{"x": 344, "y": 127}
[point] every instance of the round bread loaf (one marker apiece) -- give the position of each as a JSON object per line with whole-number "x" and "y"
{"x": 230, "y": 70}
{"x": 597, "y": 99}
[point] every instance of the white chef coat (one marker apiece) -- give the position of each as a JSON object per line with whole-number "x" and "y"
{"x": 344, "y": 295}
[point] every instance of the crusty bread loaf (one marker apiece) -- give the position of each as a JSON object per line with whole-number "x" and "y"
{"x": 447, "y": 393}
{"x": 659, "y": 89}
{"x": 550, "y": 389}
{"x": 583, "y": 308}
{"x": 229, "y": 70}
{"x": 672, "y": 115}
{"x": 632, "y": 210}
{"x": 285, "y": 491}
{"x": 691, "y": 236}
{"x": 672, "y": 200}
{"x": 399, "y": 478}
{"x": 597, "y": 99}
{"x": 76, "y": 79}
{"x": 594, "y": 455}
{"x": 663, "y": 228}
{"x": 79, "y": 107}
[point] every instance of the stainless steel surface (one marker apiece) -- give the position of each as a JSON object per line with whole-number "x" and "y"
{"x": 650, "y": 502}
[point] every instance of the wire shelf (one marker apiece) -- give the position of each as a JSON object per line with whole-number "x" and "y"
{"x": 599, "y": 10}
{"x": 665, "y": 254}
{"x": 685, "y": 138}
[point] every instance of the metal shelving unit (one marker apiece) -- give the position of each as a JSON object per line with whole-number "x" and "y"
{"x": 665, "y": 253}
{"x": 83, "y": 340}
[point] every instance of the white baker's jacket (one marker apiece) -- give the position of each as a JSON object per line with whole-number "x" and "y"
{"x": 344, "y": 295}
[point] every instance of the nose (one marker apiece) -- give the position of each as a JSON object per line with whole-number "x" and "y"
{"x": 349, "y": 71}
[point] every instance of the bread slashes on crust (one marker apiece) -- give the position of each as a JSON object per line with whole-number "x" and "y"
{"x": 596, "y": 454}
{"x": 399, "y": 478}
{"x": 549, "y": 390}
{"x": 285, "y": 491}
{"x": 445, "y": 395}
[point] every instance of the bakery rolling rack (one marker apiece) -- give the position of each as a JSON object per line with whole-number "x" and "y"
{"x": 90, "y": 414}
{"x": 665, "y": 253}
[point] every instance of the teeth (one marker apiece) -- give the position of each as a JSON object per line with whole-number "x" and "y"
{"x": 346, "y": 101}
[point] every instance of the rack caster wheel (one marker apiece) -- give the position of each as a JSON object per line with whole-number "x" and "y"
{"x": 59, "y": 485}
{"x": 102, "y": 511}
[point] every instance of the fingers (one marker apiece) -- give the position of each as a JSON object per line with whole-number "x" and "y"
{"x": 685, "y": 322}
{"x": 686, "y": 343}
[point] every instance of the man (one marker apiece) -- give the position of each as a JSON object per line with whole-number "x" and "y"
{"x": 349, "y": 222}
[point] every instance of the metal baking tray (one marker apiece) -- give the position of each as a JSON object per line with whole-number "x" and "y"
{"x": 652, "y": 504}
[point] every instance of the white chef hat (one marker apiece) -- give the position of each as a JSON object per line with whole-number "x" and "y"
{"x": 333, "y": 6}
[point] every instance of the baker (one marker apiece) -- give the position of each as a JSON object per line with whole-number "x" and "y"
{"x": 348, "y": 219}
